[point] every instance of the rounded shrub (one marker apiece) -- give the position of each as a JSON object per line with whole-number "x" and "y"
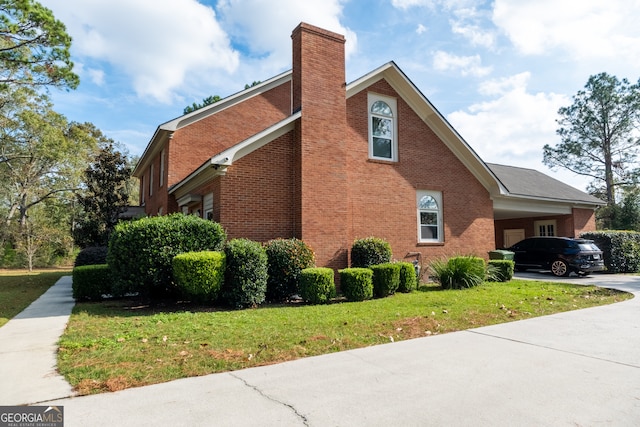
{"x": 245, "y": 282}
{"x": 408, "y": 277}
{"x": 317, "y": 285}
{"x": 500, "y": 270}
{"x": 286, "y": 258}
{"x": 370, "y": 251}
{"x": 459, "y": 272}
{"x": 91, "y": 282}
{"x": 356, "y": 284}
{"x": 199, "y": 275}
{"x": 91, "y": 255}
{"x": 141, "y": 251}
{"x": 386, "y": 279}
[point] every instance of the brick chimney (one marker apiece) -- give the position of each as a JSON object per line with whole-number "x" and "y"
{"x": 319, "y": 91}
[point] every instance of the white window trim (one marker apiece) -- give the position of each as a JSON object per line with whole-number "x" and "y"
{"x": 437, "y": 195}
{"x": 393, "y": 104}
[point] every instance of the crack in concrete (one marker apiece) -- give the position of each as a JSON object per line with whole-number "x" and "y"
{"x": 304, "y": 419}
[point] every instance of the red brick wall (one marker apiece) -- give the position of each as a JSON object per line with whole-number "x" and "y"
{"x": 383, "y": 194}
{"x": 257, "y": 193}
{"x": 319, "y": 89}
{"x": 192, "y": 145}
{"x": 584, "y": 220}
{"x": 158, "y": 198}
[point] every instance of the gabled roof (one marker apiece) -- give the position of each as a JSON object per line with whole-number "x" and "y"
{"x": 533, "y": 184}
{"x": 433, "y": 118}
{"x": 165, "y": 130}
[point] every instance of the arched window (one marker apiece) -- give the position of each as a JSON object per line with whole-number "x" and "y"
{"x": 382, "y": 128}
{"x": 429, "y": 216}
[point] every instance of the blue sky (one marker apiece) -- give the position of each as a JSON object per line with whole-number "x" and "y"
{"x": 497, "y": 70}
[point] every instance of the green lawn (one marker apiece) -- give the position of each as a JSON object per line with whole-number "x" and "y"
{"x": 114, "y": 345}
{"x": 18, "y": 289}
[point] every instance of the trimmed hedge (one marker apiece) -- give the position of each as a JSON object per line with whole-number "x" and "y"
{"x": 500, "y": 270}
{"x": 317, "y": 285}
{"x": 199, "y": 275}
{"x": 621, "y": 249}
{"x": 245, "y": 280}
{"x": 459, "y": 272}
{"x": 91, "y": 282}
{"x": 370, "y": 251}
{"x": 92, "y": 255}
{"x": 141, "y": 251}
{"x": 356, "y": 284}
{"x": 386, "y": 279}
{"x": 408, "y": 277}
{"x": 287, "y": 258}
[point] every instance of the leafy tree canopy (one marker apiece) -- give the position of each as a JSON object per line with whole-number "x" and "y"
{"x": 34, "y": 47}
{"x": 600, "y": 135}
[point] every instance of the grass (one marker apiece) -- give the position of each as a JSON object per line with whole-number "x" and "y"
{"x": 114, "y": 345}
{"x": 18, "y": 289}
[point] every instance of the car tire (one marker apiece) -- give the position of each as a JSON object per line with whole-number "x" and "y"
{"x": 559, "y": 268}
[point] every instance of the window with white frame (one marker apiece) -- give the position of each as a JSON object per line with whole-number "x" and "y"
{"x": 429, "y": 216}
{"x": 151, "y": 180}
{"x": 161, "y": 177}
{"x": 207, "y": 206}
{"x": 383, "y": 143}
{"x": 545, "y": 228}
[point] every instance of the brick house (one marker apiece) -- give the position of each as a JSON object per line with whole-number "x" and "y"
{"x": 306, "y": 155}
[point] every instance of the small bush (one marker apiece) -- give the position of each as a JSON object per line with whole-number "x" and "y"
{"x": 408, "y": 277}
{"x": 370, "y": 251}
{"x": 459, "y": 272}
{"x": 91, "y": 282}
{"x": 386, "y": 279}
{"x": 500, "y": 270}
{"x": 317, "y": 285}
{"x": 245, "y": 282}
{"x": 91, "y": 255}
{"x": 141, "y": 252}
{"x": 356, "y": 284}
{"x": 287, "y": 258}
{"x": 199, "y": 275}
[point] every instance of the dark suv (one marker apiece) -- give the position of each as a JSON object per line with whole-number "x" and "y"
{"x": 561, "y": 255}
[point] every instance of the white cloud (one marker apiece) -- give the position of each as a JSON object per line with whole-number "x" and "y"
{"x": 466, "y": 65}
{"x": 513, "y": 127}
{"x": 474, "y": 33}
{"x": 265, "y": 27}
{"x": 97, "y": 76}
{"x": 158, "y": 45}
{"x": 421, "y": 29}
{"x": 585, "y": 30}
{"x": 406, "y": 4}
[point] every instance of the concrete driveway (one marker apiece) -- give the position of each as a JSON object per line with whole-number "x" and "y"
{"x": 579, "y": 368}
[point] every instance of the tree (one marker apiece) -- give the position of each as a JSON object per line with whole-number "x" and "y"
{"x": 206, "y": 101}
{"x": 41, "y": 154}
{"x": 34, "y": 47}
{"x": 599, "y": 135}
{"x": 105, "y": 198}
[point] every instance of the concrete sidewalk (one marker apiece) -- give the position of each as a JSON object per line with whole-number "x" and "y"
{"x": 579, "y": 368}
{"x": 28, "y": 346}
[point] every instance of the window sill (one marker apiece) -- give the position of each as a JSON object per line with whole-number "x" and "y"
{"x": 382, "y": 161}
{"x": 430, "y": 244}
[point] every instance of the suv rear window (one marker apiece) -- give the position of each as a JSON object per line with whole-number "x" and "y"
{"x": 588, "y": 246}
